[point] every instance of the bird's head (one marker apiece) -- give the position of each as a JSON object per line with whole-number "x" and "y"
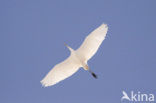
{"x": 68, "y": 47}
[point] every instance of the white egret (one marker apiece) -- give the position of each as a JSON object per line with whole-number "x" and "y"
{"x": 77, "y": 59}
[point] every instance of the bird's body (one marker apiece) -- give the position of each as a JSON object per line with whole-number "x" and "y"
{"x": 78, "y": 58}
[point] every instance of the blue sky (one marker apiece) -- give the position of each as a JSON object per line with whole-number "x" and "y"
{"x": 32, "y": 36}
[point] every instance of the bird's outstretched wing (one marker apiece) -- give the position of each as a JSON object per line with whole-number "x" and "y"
{"x": 60, "y": 72}
{"x": 92, "y": 42}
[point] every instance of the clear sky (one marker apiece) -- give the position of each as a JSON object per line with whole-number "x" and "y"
{"x": 32, "y": 37}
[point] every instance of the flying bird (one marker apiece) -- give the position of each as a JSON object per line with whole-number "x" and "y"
{"x": 78, "y": 58}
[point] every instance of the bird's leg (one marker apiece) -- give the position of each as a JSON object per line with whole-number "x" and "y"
{"x": 93, "y": 74}
{"x": 86, "y": 67}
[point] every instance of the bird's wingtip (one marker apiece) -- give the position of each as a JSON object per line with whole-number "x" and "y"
{"x": 43, "y": 83}
{"x": 105, "y": 25}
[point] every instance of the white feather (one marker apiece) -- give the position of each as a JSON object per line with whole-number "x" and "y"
{"x": 92, "y": 42}
{"x": 77, "y": 58}
{"x": 60, "y": 72}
